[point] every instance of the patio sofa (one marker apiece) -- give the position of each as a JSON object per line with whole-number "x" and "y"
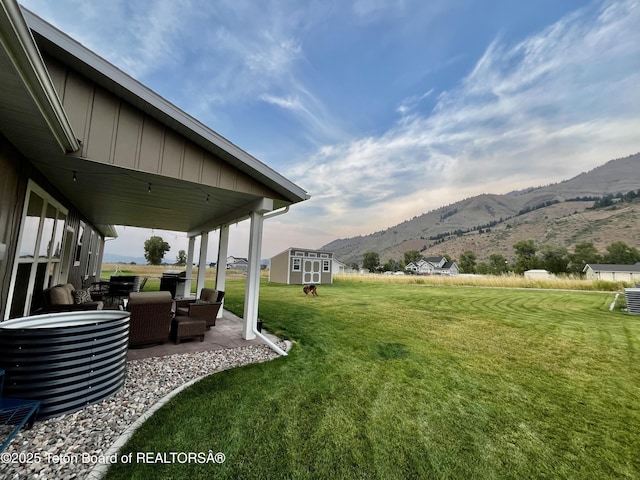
{"x": 65, "y": 298}
{"x": 151, "y": 315}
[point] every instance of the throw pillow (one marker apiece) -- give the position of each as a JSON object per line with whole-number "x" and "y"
{"x": 81, "y": 296}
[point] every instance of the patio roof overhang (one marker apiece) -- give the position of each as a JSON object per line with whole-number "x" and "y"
{"x": 33, "y": 120}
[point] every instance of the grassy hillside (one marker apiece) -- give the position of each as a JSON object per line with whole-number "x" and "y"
{"x": 489, "y": 223}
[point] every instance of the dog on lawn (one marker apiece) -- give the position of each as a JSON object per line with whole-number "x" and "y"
{"x": 310, "y": 289}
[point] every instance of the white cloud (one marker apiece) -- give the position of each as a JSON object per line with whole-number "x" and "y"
{"x": 558, "y": 103}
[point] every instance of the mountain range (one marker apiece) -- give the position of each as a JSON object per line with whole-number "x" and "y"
{"x": 559, "y": 214}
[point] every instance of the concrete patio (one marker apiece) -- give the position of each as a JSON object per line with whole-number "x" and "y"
{"x": 227, "y": 333}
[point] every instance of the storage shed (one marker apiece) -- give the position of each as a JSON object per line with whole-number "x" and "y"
{"x": 300, "y": 266}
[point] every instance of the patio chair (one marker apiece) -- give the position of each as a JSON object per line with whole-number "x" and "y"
{"x": 205, "y": 308}
{"x": 151, "y": 314}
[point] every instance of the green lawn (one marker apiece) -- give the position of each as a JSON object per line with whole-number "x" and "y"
{"x": 393, "y": 381}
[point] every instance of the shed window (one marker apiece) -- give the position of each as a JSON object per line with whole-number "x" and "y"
{"x": 297, "y": 263}
{"x": 326, "y": 266}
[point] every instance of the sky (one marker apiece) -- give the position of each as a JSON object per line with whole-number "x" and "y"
{"x": 380, "y": 109}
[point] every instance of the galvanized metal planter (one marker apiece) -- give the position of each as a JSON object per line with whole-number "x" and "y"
{"x": 65, "y": 360}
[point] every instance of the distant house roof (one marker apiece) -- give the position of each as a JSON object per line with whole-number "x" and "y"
{"x": 237, "y": 260}
{"x": 603, "y": 267}
{"x": 433, "y": 259}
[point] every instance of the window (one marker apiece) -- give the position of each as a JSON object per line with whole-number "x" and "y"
{"x": 297, "y": 265}
{"x": 90, "y": 270}
{"x": 37, "y": 265}
{"x": 326, "y": 266}
{"x": 76, "y": 259}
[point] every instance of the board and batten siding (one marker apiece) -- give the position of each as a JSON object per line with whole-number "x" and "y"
{"x": 116, "y": 133}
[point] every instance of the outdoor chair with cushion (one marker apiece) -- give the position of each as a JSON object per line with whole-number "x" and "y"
{"x": 151, "y": 314}
{"x": 65, "y": 298}
{"x": 205, "y": 308}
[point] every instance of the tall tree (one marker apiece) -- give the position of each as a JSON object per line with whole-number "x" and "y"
{"x": 583, "y": 253}
{"x": 468, "y": 262}
{"x": 154, "y": 249}
{"x": 498, "y": 264}
{"x": 622, "y": 254}
{"x": 181, "y": 259}
{"x": 526, "y": 256}
{"x": 371, "y": 261}
{"x": 411, "y": 256}
{"x": 392, "y": 266}
{"x": 555, "y": 259}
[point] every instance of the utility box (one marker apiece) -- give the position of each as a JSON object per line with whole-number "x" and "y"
{"x": 633, "y": 299}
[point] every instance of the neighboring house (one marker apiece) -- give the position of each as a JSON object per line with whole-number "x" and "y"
{"x": 612, "y": 272}
{"x": 237, "y": 263}
{"x": 84, "y": 147}
{"x": 300, "y": 266}
{"x": 338, "y": 267}
{"x": 433, "y": 266}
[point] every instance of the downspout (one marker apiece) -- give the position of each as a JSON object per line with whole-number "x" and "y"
{"x": 254, "y": 328}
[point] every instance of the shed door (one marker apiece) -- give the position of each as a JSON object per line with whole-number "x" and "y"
{"x": 311, "y": 271}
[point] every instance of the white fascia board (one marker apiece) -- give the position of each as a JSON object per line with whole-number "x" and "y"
{"x": 21, "y": 46}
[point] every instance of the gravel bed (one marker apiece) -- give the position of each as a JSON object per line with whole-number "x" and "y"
{"x": 70, "y": 446}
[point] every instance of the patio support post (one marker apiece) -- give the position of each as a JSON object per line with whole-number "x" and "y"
{"x": 189, "y": 272}
{"x": 202, "y": 263}
{"x": 253, "y": 276}
{"x": 221, "y": 265}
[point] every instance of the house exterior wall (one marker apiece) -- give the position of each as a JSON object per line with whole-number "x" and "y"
{"x": 13, "y": 186}
{"x": 629, "y": 277}
{"x": 15, "y": 174}
{"x": 116, "y": 133}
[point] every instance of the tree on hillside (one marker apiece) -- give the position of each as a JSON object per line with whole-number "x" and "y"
{"x": 154, "y": 249}
{"x": 371, "y": 261}
{"x": 181, "y": 259}
{"x": 526, "y": 256}
{"x": 622, "y": 254}
{"x": 583, "y": 253}
{"x": 411, "y": 256}
{"x": 468, "y": 262}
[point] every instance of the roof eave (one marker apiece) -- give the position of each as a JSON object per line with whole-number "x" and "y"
{"x": 119, "y": 82}
{"x": 28, "y": 62}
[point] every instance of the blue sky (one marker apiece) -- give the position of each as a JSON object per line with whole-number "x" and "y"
{"x": 381, "y": 109}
